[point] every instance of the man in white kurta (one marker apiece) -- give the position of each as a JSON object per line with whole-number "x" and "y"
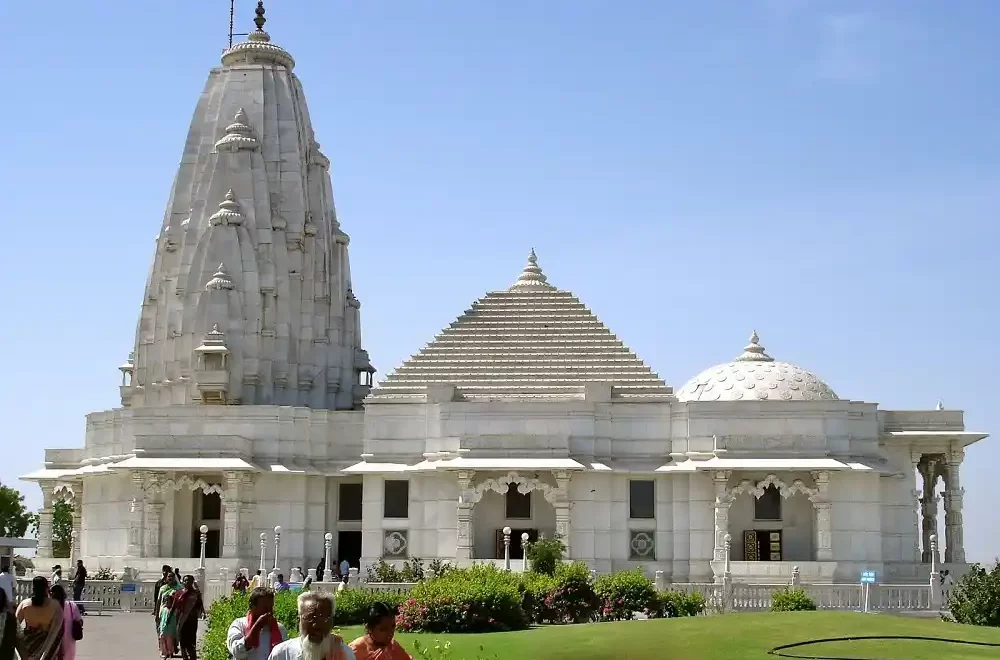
{"x": 314, "y": 641}
{"x": 254, "y": 636}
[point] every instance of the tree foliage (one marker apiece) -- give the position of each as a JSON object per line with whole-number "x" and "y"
{"x": 62, "y": 529}
{"x": 975, "y": 598}
{"x": 15, "y": 519}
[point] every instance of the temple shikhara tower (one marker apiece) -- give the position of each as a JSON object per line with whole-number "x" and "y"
{"x": 248, "y": 403}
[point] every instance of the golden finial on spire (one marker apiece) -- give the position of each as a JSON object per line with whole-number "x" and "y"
{"x": 259, "y": 20}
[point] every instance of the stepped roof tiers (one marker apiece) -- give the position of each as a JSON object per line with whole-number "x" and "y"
{"x": 246, "y": 407}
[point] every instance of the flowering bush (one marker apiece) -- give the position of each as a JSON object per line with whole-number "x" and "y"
{"x": 624, "y": 593}
{"x": 574, "y": 599}
{"x": 535, "y": 590}
{"x": 478, "y": 599}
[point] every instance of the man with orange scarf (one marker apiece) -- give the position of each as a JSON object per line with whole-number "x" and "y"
{"x": 253, "y": 638}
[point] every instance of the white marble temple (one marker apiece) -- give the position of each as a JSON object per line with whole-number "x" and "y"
{"x": 247, "y": 405}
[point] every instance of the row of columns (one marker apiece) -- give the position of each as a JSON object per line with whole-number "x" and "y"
{"x": 932, "y": 467}
{"x": 146, "y": 516}
{"x": 468, "y": 496}
{"x": 820, "y": 498}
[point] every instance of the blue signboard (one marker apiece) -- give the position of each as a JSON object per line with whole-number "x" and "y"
{"x": 128, "y": 588}
{"x": 867, "y": 577}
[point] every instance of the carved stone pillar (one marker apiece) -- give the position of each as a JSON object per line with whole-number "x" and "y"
{"x": 154, "y": 515}
{"x": 723, "y": 500}
{"x": 134, "y": 528}
{"x": 929, "y": 505}
{"x": 466, "y": 502}
{"x": 233, "y": 498}
{"x": 915, "y": 495}
{"x": 561, "y": 503}
{"x": 954, "y": 494}
{"x": 44, "y": 548}
{"x": 822, "y": 506}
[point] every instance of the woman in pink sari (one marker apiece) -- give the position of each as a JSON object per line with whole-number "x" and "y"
{"x": 71, "y": 619}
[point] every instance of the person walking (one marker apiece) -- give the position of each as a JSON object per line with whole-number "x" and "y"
{"x": 79, "y": 583}
{"x": 41, "y": 621}
{"x": 254, "y": 637}
{"x": 314, "y": 641}
{"x": 7, "y": 584}
{"x": 189, "y": 607}
{"x": 320, "y": 569}
{"x": 166, "y": 580}
{"x": 8, "y": 629}
{"x": 56, "y": 574}
{"x": 72, "y": 622}
{"x": 345, "y": 569}
{"x": 377, "y": 643}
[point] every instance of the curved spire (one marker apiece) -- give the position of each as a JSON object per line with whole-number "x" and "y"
{"x": 220, "y": 280}
{"x": 531, "y": 278}
{"x": 754, "y": 352}
{"x": 258, "y": 49}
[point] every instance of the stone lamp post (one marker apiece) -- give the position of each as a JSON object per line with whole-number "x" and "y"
{"x": 506, "y": 548}
{"x": 273, "y": 577}
{"x": 263, "y": 549}
{"x": 201, "y": 558}
{"x": 524, "y": 551}
{"x": 327, "y": 542}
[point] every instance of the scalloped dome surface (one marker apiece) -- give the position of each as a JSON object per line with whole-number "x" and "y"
{"x": 755, "y": 376}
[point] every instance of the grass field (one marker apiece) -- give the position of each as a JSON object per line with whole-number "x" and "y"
{"x": 733, "y": 636}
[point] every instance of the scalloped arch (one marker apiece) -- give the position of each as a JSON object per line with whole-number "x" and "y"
{"x": 524, "y": 485}
{"x": 757, "y": 489}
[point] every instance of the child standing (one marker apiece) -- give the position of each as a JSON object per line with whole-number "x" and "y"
{"x": 168, "y": 625}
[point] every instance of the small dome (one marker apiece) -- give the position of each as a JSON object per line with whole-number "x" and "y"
{"x": 755, "y": 375}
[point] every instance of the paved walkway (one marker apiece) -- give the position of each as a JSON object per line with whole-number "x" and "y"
{"x": 119, "y": 635}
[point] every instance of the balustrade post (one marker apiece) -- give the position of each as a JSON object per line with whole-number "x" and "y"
{"x": 660, "y": 581}
{"x": 796, "y": 579}
{"x": 353, "y": 579}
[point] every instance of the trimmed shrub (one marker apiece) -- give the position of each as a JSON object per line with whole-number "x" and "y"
{"x": 478, "y": 599}
{"x": 975, "y": 597}
{"x": 624, "y": 593}
{"x": 535, "y": 589}
{"x": 669, "y": 604}
{"x": 353, "y": 604}
{"x": 546, "y": 555}
{"x": 574, "y": 599}
{"x": 792, "y": 600}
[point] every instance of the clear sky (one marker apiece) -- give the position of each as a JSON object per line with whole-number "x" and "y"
{"x": 824, "y": 172}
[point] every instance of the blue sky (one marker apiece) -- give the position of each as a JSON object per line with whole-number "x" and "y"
{"x": 824, "y": 172}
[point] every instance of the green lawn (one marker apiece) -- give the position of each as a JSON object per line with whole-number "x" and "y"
{"x": 735, "y": 636}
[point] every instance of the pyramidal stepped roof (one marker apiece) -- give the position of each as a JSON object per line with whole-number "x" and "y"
{"x": 531, "y": 341}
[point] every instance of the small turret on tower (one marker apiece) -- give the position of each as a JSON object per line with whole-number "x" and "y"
{"x": 212, "y": 369}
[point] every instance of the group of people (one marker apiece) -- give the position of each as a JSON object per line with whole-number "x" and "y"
{"x": 259, "y": 636}
{"x": 179, "y": 606}
{"x": 46, "y": 626}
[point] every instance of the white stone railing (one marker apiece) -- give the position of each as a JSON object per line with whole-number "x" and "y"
{"x": 758, "y": 597}
{"x": 110, "y": 593}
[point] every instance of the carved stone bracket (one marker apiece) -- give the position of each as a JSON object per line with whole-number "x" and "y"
{"x": 786, "y": 490}
{"x": 524, "y": 486}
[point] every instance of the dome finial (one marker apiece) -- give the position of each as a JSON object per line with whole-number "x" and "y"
{"x": 940, "y": 405}
{"x": 754, "y": 352}
{"x": 259, "y": 20}
{"x": 531, "y": 278}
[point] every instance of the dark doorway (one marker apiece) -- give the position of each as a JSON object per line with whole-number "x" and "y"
{"x": 516, "y": 549}
{"x": 213, "y": 544}
{"x": 349, "y": 548}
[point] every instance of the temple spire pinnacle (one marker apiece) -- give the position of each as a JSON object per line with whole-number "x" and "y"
{"x": 259, "y": 20}
{"x": 531, "y": 278}
{"x": 754, "y": 352}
